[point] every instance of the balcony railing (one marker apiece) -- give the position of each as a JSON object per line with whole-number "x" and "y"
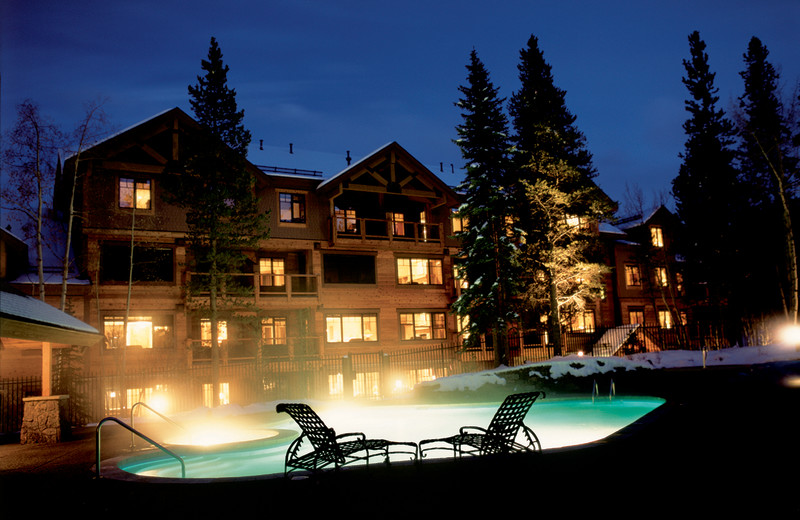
{"x": 265, "y": 286}
{"x": 353, "y": 228}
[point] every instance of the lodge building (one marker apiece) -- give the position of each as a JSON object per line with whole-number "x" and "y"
{"x": 359, "y": 261}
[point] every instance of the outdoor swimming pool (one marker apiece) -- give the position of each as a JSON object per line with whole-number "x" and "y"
{"x": 557, "y": 422}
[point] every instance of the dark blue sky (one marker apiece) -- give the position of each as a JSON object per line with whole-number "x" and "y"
{"x": 332, "y": 76}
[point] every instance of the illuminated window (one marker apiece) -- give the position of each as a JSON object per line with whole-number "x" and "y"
{"x": 422, "y": 325}
{"x": 636, "y": 316}
{"x": 205, "y": 332}
{"x": 143, "y": 331}
{"x": 336, "y": 384}
{"x": 583, "y": 322}
{"x": 292, "y": 207}
{"x": 462, "y": 326}
{"x": 273, "y": 331}
{"x": 633, "y": 276}
{"x": 272, "y": 272}
{"x": 661, "y": 276}
{"x": 420, "y": 271}
{"x": 398, "y": 224}
{"x": 665, "y": 319}
{"x": 576, "y": 222}
{"x": 344, "y": 328}
{"x": 367, "y": 384}
{"x": 134, "y": 191}
{"x": 346, "y": 221}
{"x": 208, "y": 394}
{"x": 458, "y": 223}
{"x": 656, "y": 236}
{"x": 459, "y": 281}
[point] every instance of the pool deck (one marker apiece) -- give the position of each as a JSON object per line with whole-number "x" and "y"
{"x": 727, "y": 442}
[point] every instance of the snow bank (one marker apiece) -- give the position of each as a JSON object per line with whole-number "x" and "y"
{"x": 583, "y": 366}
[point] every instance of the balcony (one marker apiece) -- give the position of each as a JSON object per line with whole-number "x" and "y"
{"x": 365, "y": 229}
{"x": 266, "y": 286}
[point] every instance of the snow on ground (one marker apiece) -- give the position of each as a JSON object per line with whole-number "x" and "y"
{"x": 581, "y": 366}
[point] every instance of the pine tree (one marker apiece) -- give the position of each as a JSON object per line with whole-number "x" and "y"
{"x": 214, "y": 103}
{"x": 550, "y": 157}
{"x": 217, "y": 191}
{"x": 706, "y": 188}
{"x": 543, "y": 125}
{"x": 487, "y": 259}
{"x": 769, "y": 169}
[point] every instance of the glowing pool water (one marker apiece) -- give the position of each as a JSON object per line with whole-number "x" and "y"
{"x": 557, "y": 422}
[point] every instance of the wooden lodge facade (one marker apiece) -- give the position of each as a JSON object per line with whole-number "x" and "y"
{"x": 361, "y": 261}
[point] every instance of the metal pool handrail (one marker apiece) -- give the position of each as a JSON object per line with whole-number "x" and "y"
{"x": 140, "y": 434}
{"x": 133, "y": 437}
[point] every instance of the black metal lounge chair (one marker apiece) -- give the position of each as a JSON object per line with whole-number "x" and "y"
{"x": 327, "y": 449}
{"x": 500, "y": 437}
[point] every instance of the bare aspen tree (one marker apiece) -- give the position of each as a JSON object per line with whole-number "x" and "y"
{"x": 29, "y": 157}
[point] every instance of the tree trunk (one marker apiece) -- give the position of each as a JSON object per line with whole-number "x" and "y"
{"x": 39, "y": 219}
{"x": 791, "y": 248}
{"x": 128, "y": 310}
{"x": 555, "y": 318}
{"x": 70, "y": 220}
{"x": 214, "y": 319}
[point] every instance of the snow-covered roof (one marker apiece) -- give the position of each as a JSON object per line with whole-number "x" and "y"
{"x": 24, "y": 317}
{"x": 120, "y": 132}
{"x": 605, "y": 227}
{"x": 354, "y": 165}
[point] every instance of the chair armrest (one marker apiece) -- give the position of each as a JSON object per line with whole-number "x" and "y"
{"x": 357, "y": 435}
{"x": 476, "y": 429}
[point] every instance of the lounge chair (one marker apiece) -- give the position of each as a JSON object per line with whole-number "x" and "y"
{"x": 327, "y": 449}
{"x": 500, "y": 437}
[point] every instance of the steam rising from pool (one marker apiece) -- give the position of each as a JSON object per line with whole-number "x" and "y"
{"x": 260, "y": 451}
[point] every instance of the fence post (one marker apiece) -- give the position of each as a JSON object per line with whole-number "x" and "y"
{"x": 348, "y": 376}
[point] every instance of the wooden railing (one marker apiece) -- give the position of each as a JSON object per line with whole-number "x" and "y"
{"x": 283, "y": 285}
{"x": 352, "y": 228}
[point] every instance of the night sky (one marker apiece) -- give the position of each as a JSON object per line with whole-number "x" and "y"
{"x": 336, "y": 76}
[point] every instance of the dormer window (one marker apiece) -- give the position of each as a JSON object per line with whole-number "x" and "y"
{"x": 656, "y": 236}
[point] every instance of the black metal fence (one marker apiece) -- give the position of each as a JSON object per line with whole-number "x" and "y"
{"x": 362, "y": 376}
{"x": 12, "y": 392}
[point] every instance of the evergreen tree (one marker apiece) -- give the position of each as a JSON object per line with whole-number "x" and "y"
{"x": 706, "y": 188}
{"x": 769, "y": 169}
{"x": 543, "y": 125}
{"x": 488, "y": 258}
{"x": 551, "y": 157}
{"x": 217, "y": 191}
{"x": 214, "y": 103}
{"x": 567, "y": 273}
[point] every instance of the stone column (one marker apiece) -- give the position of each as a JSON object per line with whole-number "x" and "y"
{"x": 44, "y": 419}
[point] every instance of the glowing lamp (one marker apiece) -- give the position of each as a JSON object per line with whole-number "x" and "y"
{"x": 789, "y": 335}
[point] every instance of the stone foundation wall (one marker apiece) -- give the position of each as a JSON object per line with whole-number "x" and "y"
{"x": 44, "y": 420}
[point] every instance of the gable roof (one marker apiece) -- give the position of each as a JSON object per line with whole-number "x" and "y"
{"x": 390, "y": 169}
{"x": 133, "y": 143}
